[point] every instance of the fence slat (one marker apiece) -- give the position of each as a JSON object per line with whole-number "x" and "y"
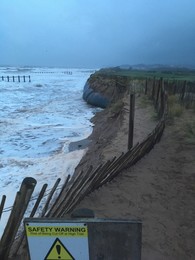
{"x": 67, "y": 191}
{"x": 71, "y": 194}
{"x": 50, "y": 197}
{"x": 49, "y": 214}
{"x": 66, "y": 208}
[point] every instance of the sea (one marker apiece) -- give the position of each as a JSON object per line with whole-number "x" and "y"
{"x": 41, "y": 113}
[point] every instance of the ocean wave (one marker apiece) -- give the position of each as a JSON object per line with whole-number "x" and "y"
{"x": 38, "y": 120}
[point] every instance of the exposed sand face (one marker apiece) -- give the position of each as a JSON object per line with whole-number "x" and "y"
{"x": 110, "y": 134}
{"x": 159, "y": 189}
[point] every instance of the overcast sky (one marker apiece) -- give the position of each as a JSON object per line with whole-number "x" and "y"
{"x": 91, "y": 33}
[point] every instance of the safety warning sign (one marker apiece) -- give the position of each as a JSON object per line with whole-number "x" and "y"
{"x": 58, "y": 240}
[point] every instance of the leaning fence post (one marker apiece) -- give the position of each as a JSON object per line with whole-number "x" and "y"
{"x": 20, "y": 204}
{"x": 131, "y": 121}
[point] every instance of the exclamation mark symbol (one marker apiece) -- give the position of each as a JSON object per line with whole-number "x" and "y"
{"x": 58, "y": 248}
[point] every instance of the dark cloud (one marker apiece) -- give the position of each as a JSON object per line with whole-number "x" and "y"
{"x": 100, "y": 33}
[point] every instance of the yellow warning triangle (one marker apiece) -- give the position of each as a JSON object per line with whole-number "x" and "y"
{"x": 58, "y": 252}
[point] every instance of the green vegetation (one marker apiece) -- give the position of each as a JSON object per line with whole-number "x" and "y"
{"x": 170, "y": 74}
{"x": 179, "y": 84}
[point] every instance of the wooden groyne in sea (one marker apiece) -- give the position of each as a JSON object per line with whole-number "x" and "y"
{"x": 15, "y": 78}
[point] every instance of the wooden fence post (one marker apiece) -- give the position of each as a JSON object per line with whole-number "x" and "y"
{"x": 174, "y": 88}
{"x": 2, "y": 204}
{"x": 158, "y": 91}
{"x": 22, "y": 236}
{"x": 131, "y": 121}
{"x": 162, "y": 99}
{"x": 146, "y": 86}
{"x": 21, "y": 202}
{"x": 153, "y": 88}
{"x": 183, "y": 90}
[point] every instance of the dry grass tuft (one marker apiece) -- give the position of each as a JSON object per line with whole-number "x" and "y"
{"x": 190, "y": 132}
{"x": 175, "y": 109}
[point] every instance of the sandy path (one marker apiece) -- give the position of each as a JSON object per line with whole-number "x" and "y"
{"x": 159, "y": 190}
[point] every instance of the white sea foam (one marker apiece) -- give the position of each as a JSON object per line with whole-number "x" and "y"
{"x": 38, "y": 120}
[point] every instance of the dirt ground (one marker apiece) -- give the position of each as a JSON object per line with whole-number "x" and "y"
{"x": 159, "y": 190}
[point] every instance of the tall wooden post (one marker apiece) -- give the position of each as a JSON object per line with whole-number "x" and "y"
{"x": 174, "y": 87}
{"x": 162, "y": 99}
{"x": 21, "y": 202}
{"x": 2, "y": 204}
{"x": 146, "y": 86}
{"x": 183, "y": 90}
{"x": 153, "y": 88}
{"x": 158, "y": 91}
{"x": 22, "y": 236}
{"x": 131, "y": 121}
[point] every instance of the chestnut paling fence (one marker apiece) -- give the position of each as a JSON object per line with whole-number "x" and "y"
{"x": 62, "y": 199}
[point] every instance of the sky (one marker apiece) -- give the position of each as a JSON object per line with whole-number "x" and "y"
{"x": 94, "y": 34}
